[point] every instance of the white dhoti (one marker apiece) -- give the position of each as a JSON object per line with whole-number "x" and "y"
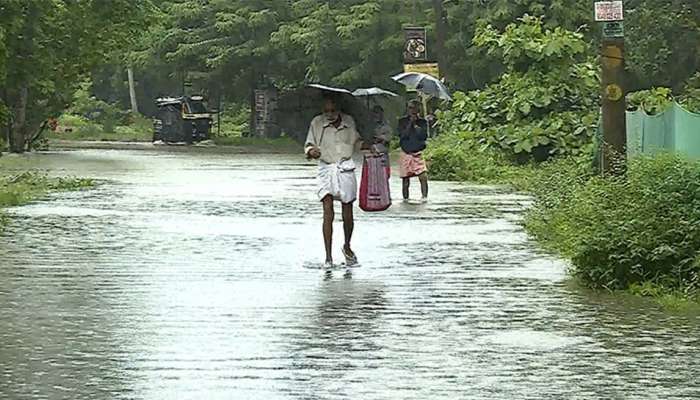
{"x": 337, "y": 180}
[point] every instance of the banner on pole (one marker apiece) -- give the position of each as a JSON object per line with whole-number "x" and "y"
{"x": 415, "y": 45}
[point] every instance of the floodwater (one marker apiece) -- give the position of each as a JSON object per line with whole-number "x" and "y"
{"x": 182, "y": 277}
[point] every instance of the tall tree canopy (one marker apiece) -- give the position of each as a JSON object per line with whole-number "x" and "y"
{"x": 48, "y": 45}
{"x": 227, "y": 48}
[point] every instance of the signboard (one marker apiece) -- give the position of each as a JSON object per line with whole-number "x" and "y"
{"x": 265, "y": 112}
{"x": 613, "y": 29}
{"x": 415, "y": 45}
{"x": 432, "y": 69}
{"x": 609, "y": 11}
{"x": 260, "y": 112}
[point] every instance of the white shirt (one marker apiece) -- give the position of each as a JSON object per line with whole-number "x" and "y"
{"x": 336, "y": 144}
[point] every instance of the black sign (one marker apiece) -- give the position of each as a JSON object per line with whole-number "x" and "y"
{"x": 415, "y": 47}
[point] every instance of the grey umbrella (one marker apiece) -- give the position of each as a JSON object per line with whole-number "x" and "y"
{"x": 424, "y": 84}
{"x": 373, "y": 91}
{"x": 381, "y": 97}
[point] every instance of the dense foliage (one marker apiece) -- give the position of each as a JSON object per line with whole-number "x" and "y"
{"x": 658, "y": 99}
{"x": 46, "y": 46}
{"x": 225, "y": 49}
{"x": 653, "y": 101}
{"x": 544, "y": 104}
{"x": 624, "y": 231}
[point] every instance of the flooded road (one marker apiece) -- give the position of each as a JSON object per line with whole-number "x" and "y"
{"x": 181, "y": 277}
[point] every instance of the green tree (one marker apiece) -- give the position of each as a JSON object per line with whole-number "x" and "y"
{"x": 48, "y": 45}
{"x": 545, "y": 101}
{"x": 663, "y": 42}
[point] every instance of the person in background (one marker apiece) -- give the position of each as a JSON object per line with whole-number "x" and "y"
{"x": 333, "y": 140}
{"x": 413, "y": 134}
{"x": 382, "y": 137}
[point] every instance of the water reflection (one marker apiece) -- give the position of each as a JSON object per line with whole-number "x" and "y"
{"x": 181, "y": 277}
{"x": 341, "y": 336}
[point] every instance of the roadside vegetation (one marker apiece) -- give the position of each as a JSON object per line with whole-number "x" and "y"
{"x": 535, "y": 132}
{"x": 20, "y": 188}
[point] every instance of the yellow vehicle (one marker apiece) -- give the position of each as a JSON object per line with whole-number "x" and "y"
{"x": 182, "y": 119}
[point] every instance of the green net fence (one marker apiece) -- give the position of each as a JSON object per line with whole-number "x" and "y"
{"x": 676, "y": 130}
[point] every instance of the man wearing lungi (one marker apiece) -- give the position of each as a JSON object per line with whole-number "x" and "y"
{"x": 413, "y": 134}
{"x": 332, "y": 140}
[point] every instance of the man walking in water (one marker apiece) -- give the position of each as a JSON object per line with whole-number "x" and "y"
{"x": 413, "y": 134}
{"x": 332, "y": 140}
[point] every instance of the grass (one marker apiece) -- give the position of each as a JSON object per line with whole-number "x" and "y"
{"x": 18, "y": 188}
{"x": 672, "y": 299}
{"x": 76, "y": 128}
{"x": 97, "y": 135}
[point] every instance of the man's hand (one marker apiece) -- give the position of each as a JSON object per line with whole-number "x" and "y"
{"x": 314, "y": 153}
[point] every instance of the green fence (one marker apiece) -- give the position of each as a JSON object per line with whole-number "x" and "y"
{"x": 676, "y": 130}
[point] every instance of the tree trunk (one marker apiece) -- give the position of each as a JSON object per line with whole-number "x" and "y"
{"x": 132, "y": 91}
{"x": 17, "y": 134}
{"x": 441, "y": 37}
{"x": 6, "y": 127}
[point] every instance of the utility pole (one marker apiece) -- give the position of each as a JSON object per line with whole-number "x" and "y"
{"x": 132, "y": 91}
{"x": 614, "y": 146}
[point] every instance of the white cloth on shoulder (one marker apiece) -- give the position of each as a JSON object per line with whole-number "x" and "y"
{"x": 338, "y": 180}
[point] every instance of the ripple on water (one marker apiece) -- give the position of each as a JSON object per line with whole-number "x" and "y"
{"x": 182, "y": 277}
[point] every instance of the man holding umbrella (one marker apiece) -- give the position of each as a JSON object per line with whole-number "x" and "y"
{"x": 413, "y": 129}
{"x": 413, "y": 134}
{"x": 333, "y": 140}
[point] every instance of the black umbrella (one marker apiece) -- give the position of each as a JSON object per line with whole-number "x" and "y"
{"x": 298, "y": 107}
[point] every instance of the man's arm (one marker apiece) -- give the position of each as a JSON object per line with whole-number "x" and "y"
{"x": 311, "y": 147}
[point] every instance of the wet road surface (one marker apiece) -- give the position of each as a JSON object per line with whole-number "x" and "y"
{"x": 181, "y": 277}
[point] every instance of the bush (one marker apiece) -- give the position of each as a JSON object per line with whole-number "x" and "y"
{"x": 691, "y": 95}
{"x": 653, "y": 101}
{"x": 455, "y": 157}
{"x": 108, "y": 115}
{"x": 657, "y": 100}
{"x": 235, "y": 121}
{"x": 546, "y": 104}
{"x": 620, "y": 232}
{"x": 76, "y": 127}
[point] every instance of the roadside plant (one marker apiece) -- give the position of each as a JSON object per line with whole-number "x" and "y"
{"x": 546, "y": 102}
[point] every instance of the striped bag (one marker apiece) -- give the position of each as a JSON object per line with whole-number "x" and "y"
{"x": 374, "y": 187}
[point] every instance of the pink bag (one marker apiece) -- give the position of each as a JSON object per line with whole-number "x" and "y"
{"x": 374, "y": 187}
